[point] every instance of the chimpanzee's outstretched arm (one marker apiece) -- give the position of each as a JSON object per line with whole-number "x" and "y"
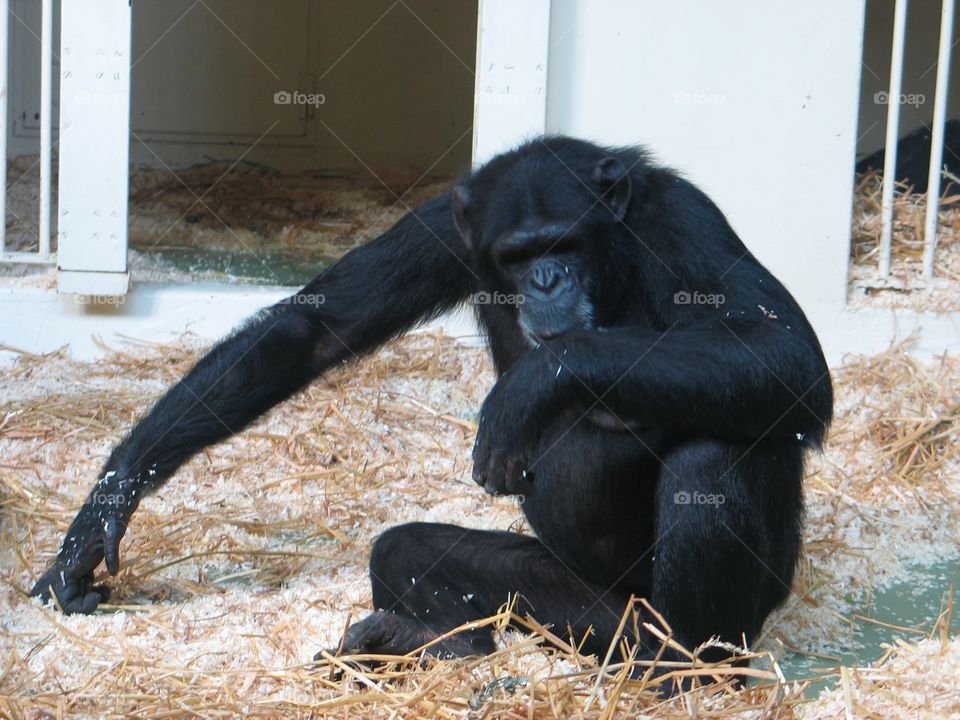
{"x": 723, "y": 378}
{"x": 414, "y": 271}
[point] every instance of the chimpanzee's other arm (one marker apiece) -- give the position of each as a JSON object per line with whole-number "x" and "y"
{"x": 414, "y": 271}
{"x": 723, "y": 378}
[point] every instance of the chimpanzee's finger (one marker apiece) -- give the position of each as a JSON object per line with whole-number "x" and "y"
{"x": 518, "y": 479}
{"x": 55, "y": 582}
{"x": 479, "y": 477}
{"x": 82, "y": 605}
{"x": 112, "y": 532}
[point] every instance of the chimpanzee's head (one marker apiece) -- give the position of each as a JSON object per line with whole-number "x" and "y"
{"x": 535, "y": 220}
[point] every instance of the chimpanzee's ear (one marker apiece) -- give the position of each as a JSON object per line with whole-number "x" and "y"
{"x": 460, "y": 201}
{"x": 613, "y": 181}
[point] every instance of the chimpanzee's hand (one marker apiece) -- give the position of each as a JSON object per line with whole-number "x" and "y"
{"x": 94, "y": 535}
{"x": 511, "y": 419}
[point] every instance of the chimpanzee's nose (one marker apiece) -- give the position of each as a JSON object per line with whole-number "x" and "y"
{"x": 544, "y": 277}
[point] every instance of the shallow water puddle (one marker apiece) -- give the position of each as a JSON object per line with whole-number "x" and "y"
{"x": 912, "y": 604}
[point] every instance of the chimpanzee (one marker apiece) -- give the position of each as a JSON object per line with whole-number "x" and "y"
{"x": 657, "y": 390}
{"x": 913, "y": 158}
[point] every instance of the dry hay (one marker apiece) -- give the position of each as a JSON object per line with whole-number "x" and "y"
{"x": 23, "y": 202}
{"x": 913, "y": 681}
{"x": 253, "y": 558}
{"x": 906, "y": 287}
{"x": 249, "y": 208}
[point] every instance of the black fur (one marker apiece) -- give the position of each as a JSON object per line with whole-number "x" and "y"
{"x": 658, "y": 443}
{"x": 913, "y": 158}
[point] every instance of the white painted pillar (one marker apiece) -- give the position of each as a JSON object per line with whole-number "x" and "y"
{"x": 511, "y": 86}
{"x": 94, "y": 146}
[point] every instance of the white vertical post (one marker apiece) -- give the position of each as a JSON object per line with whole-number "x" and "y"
{"x": 893, "y": 133}
{"x": 510, "y": 104}
{"x": 936, "y": 139}
{"x": 46, "y": 123}
{"x": 94, "y": 146}
{"x": 4, "y": 40}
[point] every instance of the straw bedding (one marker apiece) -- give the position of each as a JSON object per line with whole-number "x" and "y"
{"x": 253, "y": 557}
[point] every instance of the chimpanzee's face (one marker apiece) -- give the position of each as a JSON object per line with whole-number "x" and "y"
{"x": 534, "y": 239}
{"x": 549, "y": 282}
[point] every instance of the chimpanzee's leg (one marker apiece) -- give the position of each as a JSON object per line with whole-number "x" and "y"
{"x": 430, "y": 578}
{"x": 728, "y": 537}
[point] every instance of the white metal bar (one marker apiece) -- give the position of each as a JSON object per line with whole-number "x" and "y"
{"x": 893, "y": 132}
{"x": 4, "y": 84}
{"x": 46, "y": 123}
{"x": 936, "y": 139}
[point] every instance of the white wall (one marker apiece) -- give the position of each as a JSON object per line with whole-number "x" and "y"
{"x": 397, "y": 79}
{"x": 754, "y": 101}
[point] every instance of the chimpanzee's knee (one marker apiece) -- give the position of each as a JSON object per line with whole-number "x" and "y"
{"x": 400, "y": 555}
{"x": 394, "y": 547}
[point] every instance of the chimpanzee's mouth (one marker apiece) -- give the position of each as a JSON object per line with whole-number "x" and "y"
{"x": 535, "y": 338}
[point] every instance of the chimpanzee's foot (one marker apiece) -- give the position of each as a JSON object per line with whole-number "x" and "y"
{"x": 386, "y": 633}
